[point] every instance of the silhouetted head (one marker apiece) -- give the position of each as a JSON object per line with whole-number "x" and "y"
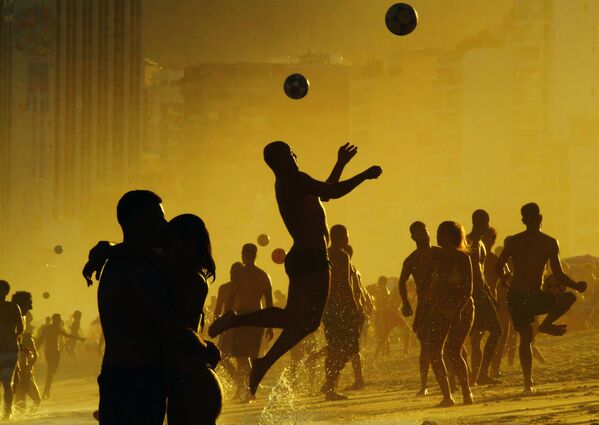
{"x": 77, "y": 315}
{"x": 4, "y": 289}
{"x": 531, "y": 215}
{"x": 339, "y": 236}
{"x": 419, "y": 233}
{"x": 480, "y": 220}
{"x": 236, "y": 271}
{"x": 280, "y": 158}
{"x": 350, "y": 250}
{"x": 382, "y": 281}
{"x": 24, "y": 300}
{"x": 56, "y": 319}
{"x": 489, "y": 238}
{"x": 48, "y": 320}
{"x": 451, "y": 234}
{"x": 279, "y": 295}
{"x": 188, "y": 244}
{"x": 141, "y": 217}
{"x": 249, "y": 253}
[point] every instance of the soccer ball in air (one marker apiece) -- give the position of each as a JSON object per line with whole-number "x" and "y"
{"x": 296, "y": 86}
{"x": 401, "y": 19}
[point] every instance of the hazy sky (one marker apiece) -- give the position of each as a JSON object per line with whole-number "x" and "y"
{"x": 184, "y": 32}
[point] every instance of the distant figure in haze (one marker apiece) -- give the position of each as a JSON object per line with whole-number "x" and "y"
{"x": 529, "y": 252}
{"x": 341, "y": 317}
{"x": 383, "y": 316}
{"x": 28, "y": 355}
{"x": 74, "y": 330}
{"x": 50, "y": 338}
{"x": 485, "y": 314}
{"x": 365, "y": 306}
{"x": 419, "y": 265}
{"x": 11, "y": 326}
{"x": 224, "y": 302}
{"x": 194, "y": 391}
{"x": 498, "y": 284}
{"x": 280, "y": 300}
{"x": 138, "y": 321}
{"x": 250, "y": 293}
{"x": 449, "y": 310}
{"x": 298, "y": 196}
{"x": 47, "y": 322}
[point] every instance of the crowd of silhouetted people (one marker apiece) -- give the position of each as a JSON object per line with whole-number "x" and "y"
{"x": 470, "y": 304}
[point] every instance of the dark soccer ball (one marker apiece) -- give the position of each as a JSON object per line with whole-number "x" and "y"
{"x": 278, "y": 256}
{"x": 58, "y": 249}
{"x": 401, "y": 19}
{"x": 46, "y": 295}
{"x": 263, "y": 239}
{"x": 296, "y": 86}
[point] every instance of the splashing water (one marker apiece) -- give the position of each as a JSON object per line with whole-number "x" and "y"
{"x": 284, "y": 406}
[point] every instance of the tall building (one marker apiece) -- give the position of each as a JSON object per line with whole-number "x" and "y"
{"x": 71, "y": 114}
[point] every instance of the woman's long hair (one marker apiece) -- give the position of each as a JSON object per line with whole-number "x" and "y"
{"x": 456, "y": 232}
{"x": 190, "y": 227}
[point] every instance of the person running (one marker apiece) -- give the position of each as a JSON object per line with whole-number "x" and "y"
{"x": 250, "y": 293}
{"x": 50, "y": 338}
{"x": 485, "y": 314}
{"x": 194, "y": 390}
{"x": 418, "y": 265}
{"x": 341, "y": 318}
{"x": 11, "y": 326}
{"x": 449, "y": 310}
{"x": 28, "y": 355}
{"x": 307, "y": 264}
{"x": 74, "y": 330}
{"x": 529, "y": 252}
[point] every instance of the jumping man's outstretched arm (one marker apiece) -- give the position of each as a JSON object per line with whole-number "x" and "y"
{"x": 344, "y": 155}
{"x": 306, "y": 184}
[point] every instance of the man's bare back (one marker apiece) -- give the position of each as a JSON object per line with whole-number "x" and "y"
{"x": 530, "y": 251}
{"x": 251, "y": 289}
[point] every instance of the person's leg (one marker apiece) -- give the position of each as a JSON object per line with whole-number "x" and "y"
{"x": 454, "y": 347}
{"x": 493, "y": 325}
{"x": 33, "y": 391}
{"x": 8, "y": 397}
{"x": 435, "y": 340}
{"x": 525, "y": 352}
{"x": 244, "y": 367}
{"x": 52, "y": 360}
{"x": 305, "y": 306}
{"x": 504, "y": 319}
{"x": 476, "y": 354}
{"x": 424, "y": 362}
{"x": 357, "y": 367}
{"x": 561, "y": 304}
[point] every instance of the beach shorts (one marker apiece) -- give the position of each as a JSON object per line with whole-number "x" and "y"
{"x": 298, "y": 263}
{"x": 525, "y": 306}
{"x": 8, "y": 364}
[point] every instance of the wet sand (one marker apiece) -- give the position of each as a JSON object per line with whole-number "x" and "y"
{"x": 567, "y": 393}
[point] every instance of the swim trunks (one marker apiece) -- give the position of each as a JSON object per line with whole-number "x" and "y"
{"x": 298, "y": 262}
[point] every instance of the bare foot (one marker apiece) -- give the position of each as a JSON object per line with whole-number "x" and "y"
{"x": 467, "y": 399}
{"x": 221, "y": 324}
{"x": 555, "y": 330}
{"x": 334, "y": 396}
{"x": 446, "y": 402}
{"x": 259, "y": 369}
{"x": 422, "y": 391}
